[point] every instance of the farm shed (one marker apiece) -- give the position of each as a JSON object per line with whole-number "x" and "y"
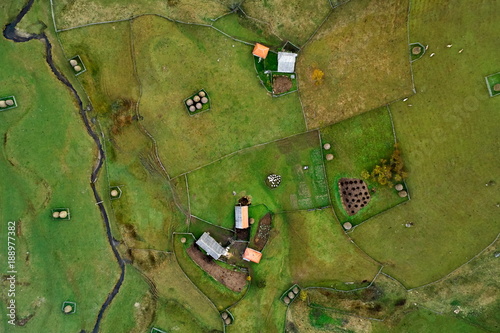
{"x": 210, "y": 245}
{"x": 286, "y": 62}
{"x": 241, "y": 217}
{"x": 260, "y": 51}
{"x": 252, "y": 255}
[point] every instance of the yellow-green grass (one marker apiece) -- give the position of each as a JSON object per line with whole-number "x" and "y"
{"x": 450, "y": 138}
{"x": 359, "y": 144}
{"x": 241, "y": 27}
{"x": 290, "y": 20}
{"x": 320, "y": 254}
{"x": 174, "y": 60}
{"x": 72, "y": 13}
{"x": 261, "y": 310}
{"x": 172, "y": 285}
{"x": 423, "y": 320}
{"x": 472, "y": 290}
{"x": 219, "y": 294}
{"x": 47, "y": 158}
{"x": 363, "y": 51}
{"x": 124, "y": 314}
{"x": 211, "y": 188}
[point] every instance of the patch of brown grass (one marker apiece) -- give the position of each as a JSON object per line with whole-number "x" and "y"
{"x": 363, "y": 51}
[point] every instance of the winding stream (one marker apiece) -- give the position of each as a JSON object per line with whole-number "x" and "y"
{"x": 11, "y": 33}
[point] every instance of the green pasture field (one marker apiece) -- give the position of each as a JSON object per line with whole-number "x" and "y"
{"x": 320, "y": 254}
{"x": 241, "y": 27}
{"x": 46, "y": 161}
{"x": 293, "y": 20}
{"x": 363, "y": 51}
{"x": 211, "y": 188}
{"x": 198, "y": 227}
{"x": 237, "y": 118}
{"x": 449, "y": 138}
{"x": 72, "y": 13}
{"x": 359, "y": 144}
{"x": 219, "y": 294}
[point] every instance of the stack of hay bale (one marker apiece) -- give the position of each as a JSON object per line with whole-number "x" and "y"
{"x": 196, "y": 102}
{"x": 226, "y": 318}
{"x": 75, "y": 65}
{"x": 60, "y": 214}
{"x": 401, "y": 192}
{"x": 290, "y": 296}
{"x": 6, "y": 103}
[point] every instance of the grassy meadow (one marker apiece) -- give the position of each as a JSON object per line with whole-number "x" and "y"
{"x": 363, "y": 51}
{"x": 46, "y": 161}
{"x": 211, "y": 188}
{"x": 449, "y": 136}
{"x": 359, "y": 144}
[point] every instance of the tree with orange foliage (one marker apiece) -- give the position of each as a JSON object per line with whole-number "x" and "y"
{"x": 317, "y": 76}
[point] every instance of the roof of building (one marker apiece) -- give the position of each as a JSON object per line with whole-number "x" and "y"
{"x": 286, "y": 62}
{"x": 210, "y": 245}
{"x": 260, "y": 50}
{"x": 241, "y": 217}
{"x": 252, "y": 255}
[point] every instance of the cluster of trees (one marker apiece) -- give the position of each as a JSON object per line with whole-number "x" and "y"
{"x": 388, "y": 170}
{"x": 317, "y": 76}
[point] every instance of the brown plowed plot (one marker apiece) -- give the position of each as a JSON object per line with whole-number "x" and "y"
{"x": 355, "y": 194}
{"x": 363, "y": 51}
{"x": 281, "y": 84}
{"x": 235, "y": 281}
{"x": 263, "y": 230}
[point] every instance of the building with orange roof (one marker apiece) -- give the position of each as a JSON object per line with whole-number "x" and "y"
{"x": 252, "y": 255}
{"x": 260, "y": 51}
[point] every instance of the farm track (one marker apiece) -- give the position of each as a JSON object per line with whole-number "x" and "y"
{"x": 11, "y": 33}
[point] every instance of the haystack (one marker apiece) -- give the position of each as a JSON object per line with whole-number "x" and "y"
{"x": 77, "y": 68}
{"x": 496, "y": 87}
{"x": 399, "y": 187}
{"x": 202, "y": 94}
{"x": 252, "y": 220}
{"x": 189, "y": 102}
{"x": 63, "y": 214}
{"x": 227, "y": 321}
{"x": 291, "y": 295}
{"x": 347, "y": 226}
{"x": 329, "y": 157}
{"x": 327, "y": 146}
{"x": 196, "y": 98}
{"x": 9, "y": 102}
{"x": 192, "y": 108}
{"x": 416, "y": 50}
{"x": 204, "y": 100}
{"x": 183, "y": 240}
{"x": 68, "y": 309}
{"x": 73, "y": 62}
{"x": 286, "y": 300}
{"x": 114, "y": 193}
{"x": 199, "y": 106}
{"x": 3, "y": 104}
{"x": 403, "y": 194}
{"x": 224, "y": 315}
{"x": 295, "y": 290}
{"x": 55, "y": 215}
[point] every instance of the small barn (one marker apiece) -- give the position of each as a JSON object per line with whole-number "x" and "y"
{"x": 286, "y": 62}
{"x": 241, "y": 217}
{"x": 210, "y": 245}
{"x": 252, "y": 255}
{"x": 260, "y": 51}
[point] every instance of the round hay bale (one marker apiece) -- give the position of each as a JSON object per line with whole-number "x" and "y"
{"x": 183, "y": 240}
{"x": 55, "y": 215}
{"x": 224, "y": 315}
{"x": 403, "y": 194}
{"x": 416, "y": 50}
{"x": 227, "y": 321}
{"x": 252, "y": 220}
{"x": 63, "y": 214}
{"x": 189, "y": 102}
{"x": 327, "y": 146}
{"x": 295, "y": 290}
{"x": 192, "y": 108}
{"x": 496, "y": 87}
{"x": 199, "y": 106}
{"x": 3, "y": 104}
{"x": 68, "y": 309}
{"x": 286, "y": 300}
{"x": 347, "y": 226}
{"x": 73, "y": 62}
{"x": 329, "y": 157}
{"x": 9, "y": 102}
{"x": 291, "y": 295}
{"x": 204, "y": 100}
{"x": 196, "y": 98}
{"x": 114, "y": 193}
{"x": 77, "y": 68}
{"x": 202, "y": 94}
{"x": 399, "y": 187}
